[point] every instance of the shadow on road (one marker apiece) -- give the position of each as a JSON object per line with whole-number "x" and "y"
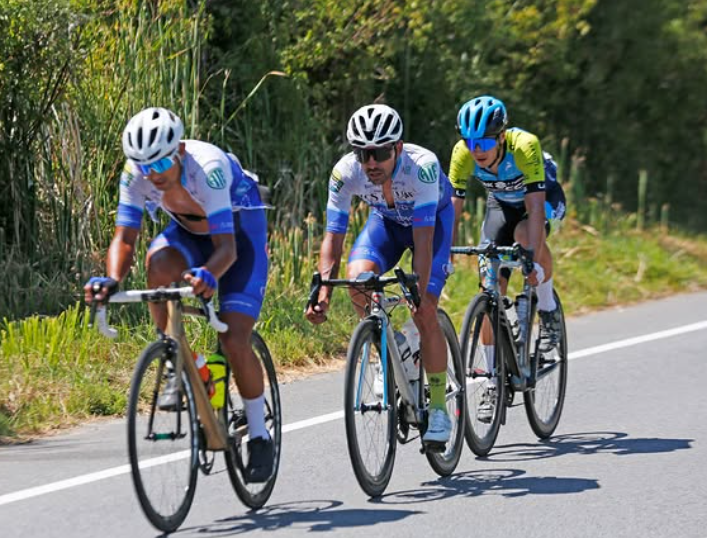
{"x": 314, "y": 515}
{"x": 504, "y": 482}
{"x": 617, "y": 443}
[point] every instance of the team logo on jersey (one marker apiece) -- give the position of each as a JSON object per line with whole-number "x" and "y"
{"x": 216, "y": 179}
{"x": 428, "y": 173}
{"x": 335, "y": 181}
{"x": 126, "y": 178}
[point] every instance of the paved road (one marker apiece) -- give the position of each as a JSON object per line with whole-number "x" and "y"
{"x": 628, "y": 459}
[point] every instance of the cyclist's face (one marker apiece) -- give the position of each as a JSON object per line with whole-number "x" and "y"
{"x": 379, "y": 172}
{"x": 487, "y": 158}
{"x": 169, "y": 178}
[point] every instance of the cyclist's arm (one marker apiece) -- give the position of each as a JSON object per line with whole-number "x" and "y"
{"x": 529, "y": 159}
{"x": 460, "y": 168}
{"x": 330, "y": 260}
{"x": 535, "y": 207}
{"x": 224, "y": 254}
{"x": 121, "y": 252}
{"x": 423, "y": 239}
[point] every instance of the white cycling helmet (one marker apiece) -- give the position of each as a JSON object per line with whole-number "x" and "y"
{"x": 374, "y": 125}
{"x": 152, "y": 134}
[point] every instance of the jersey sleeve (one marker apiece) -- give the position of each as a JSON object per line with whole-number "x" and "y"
{"x": 131, "y": 203}
{"x": 529, "y": 160}
{"x": 216, "y": 194}
{"x": 424, "y": 213}
{"x": 460, "y": 168}
{"x": 339, "y": 201}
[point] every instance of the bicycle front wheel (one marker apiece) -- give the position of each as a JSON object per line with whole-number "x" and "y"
{"x": 445, "y": 462}
{"x": 253, "y": 495}
{"x": 369, "y": 410}
{"x": 162, "y": 439}
{"x": 485, "y": 377}
{"x": 544, "y": 402}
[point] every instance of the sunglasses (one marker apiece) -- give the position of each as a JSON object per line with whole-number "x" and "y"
{"x": 379, "y": 154}
{"x": 158, "y": 167}
{"x": 483, "y": 144}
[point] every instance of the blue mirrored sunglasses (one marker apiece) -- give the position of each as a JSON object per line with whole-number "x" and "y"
{"x": 158, "y": 167}
{"x": 483, "y": 144}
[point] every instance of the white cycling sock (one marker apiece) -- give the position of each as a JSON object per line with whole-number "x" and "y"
{"x": 488, "y": 352}
{"x": 255, "y": 414}
{"x": 546, "y": 300}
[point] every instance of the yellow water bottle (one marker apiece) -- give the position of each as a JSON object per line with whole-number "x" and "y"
{"x": 217, "y": 366}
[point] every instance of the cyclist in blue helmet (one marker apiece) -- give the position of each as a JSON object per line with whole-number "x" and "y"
{"x": 524, "y": 198}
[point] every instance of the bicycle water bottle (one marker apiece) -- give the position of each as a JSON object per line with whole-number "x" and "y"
{"x": 412, "y": 339}
{"x": 204, "y": 373}
{"x": 522, "y": 313}
{"x": 217, "y": 366}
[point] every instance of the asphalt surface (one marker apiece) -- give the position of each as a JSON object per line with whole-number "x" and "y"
{"x": 627, "y": 460}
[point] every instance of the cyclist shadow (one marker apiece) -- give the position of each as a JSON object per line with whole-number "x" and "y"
{"x": 314, "y": 515}
{"x": 504, "y": 482}
{"x": 589, "y": 443}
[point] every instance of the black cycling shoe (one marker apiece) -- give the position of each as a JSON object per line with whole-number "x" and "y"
{"x": 550, "y": 329}
{"x": 260, "y": 460}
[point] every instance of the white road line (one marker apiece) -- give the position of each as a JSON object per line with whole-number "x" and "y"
{"x": 321, "y": 419}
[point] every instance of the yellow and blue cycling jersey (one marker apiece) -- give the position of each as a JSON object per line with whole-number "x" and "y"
{"x": 522, "y": 169}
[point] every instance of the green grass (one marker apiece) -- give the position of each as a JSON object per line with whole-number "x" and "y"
{"x": 56, "y": 371}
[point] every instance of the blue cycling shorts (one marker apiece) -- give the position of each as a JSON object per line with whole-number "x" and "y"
{"x": 241, "y": 288}
{"x": 383, "y": 241}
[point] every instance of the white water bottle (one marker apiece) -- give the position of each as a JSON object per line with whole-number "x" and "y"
{"x": 412, "y": 337}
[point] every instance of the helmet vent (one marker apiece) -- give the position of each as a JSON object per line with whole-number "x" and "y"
{"x": 153, "y": 135}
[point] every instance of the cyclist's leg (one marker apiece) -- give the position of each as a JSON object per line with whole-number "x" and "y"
{"x": 170, "y": 254}
{"x": 498, "y": 226}
{"x": 547, "y": 306}
{"x": 377, "y": 248}
{"x": 241, "y": 291}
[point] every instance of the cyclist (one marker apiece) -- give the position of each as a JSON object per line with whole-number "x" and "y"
{"x": 218, "y": 231}
{"x": 524, "y": 202}
{"x": 409, "y": 196}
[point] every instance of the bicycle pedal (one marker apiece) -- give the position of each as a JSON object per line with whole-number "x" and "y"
{"x": 518, "y": 384}
{"x": 433, "y": 446}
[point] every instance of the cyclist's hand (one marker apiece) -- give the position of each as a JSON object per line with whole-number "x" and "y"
{"x": 202, "y": 281}
{"x": 108, "y": 287}
{"x": 317, "y": 314}
{"x": 537, "y": 276}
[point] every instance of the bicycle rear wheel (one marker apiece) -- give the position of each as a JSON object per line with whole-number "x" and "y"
{"x": 162, "y": 443}
{"x": 370, "y": 425}
{"x": 253, "y": 495}
{"x": 485, "y": 385}
{"x": 445, "y": 462}
{"x": 544, "y": 402}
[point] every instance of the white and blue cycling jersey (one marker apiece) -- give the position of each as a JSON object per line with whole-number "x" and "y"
{"x": 207, "y": 174}
{"x": 230, "y": 199}
{"x": 420, "y": 190}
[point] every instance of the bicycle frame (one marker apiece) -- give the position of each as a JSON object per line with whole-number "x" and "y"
{"x": 517, "y": 358}
{"x": 380, "y": 307}
{"x": 214, "y": 431}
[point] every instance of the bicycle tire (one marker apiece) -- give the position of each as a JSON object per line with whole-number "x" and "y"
{"x": 360, "y": 387}
{"x": 544, "y": 402}
{"x": 481, "y": 436}
{"x": 445, "y": 462}
{"x": 253, "y": 495}
{"x": 152, "y": 480}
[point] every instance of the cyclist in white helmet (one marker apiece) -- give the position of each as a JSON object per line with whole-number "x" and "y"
{"x": 218, "y": 231}
{"x": 409, "y": 196}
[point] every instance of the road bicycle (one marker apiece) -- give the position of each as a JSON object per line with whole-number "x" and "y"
{"x": 523, "y": 358}
{"x": 167, "y": 445}
{"x": 382, "y": 407}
